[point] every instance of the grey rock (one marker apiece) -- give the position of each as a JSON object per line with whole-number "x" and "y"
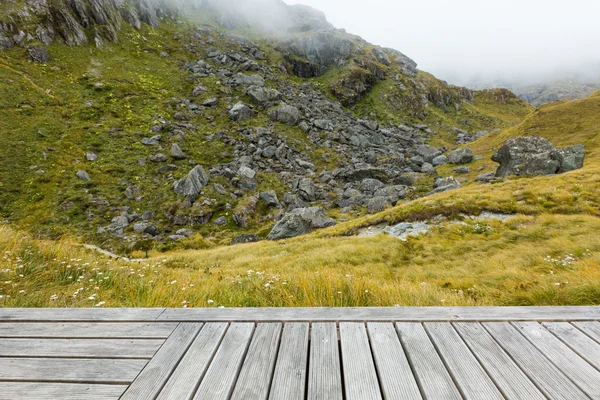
{"x": 175, "y": 238}
{"x": 300, "y": 221}
{"x": 305, "y": 164}
{"x": 83, "y": 175}
{"x": 270, "y": 198}
{"x": 377, "y": 204}
{"x": 269, "y": 152}
{"x": 185, "y": 232}
{"x": 428, "y": 152}
{"x": 323, "y": 124}
{"x": 439, "y": 160}
{"x": 38, "y": 54}
{"x": 263, "y": 96}
{"x": 198, "y": 90}
{"x": 220, "y": 189}
{"x": 427, "y": 168}
{"x": 158, "y": 158}
{"x": 293, "y": 201}
{"x": 461, "y": 156}
{"x": 152, "y": 141}
{"x": 247, "y": 178}
{"x": 307, "y": 190}
{"x": 91, "y": 156}
{"x": 176, "y": 152}
{"x": 462, "y": 170}
{"x": 286, "y": 114}
{"x": 5, "y": 42}
{"x": 529, "y": 155}
{"x": 248, "y": 80}
{"x": 487, "y": 177}
{"x": 191, "y": 186}
{"x": 445, "y": 184}
{"x": 240, "y": 112}
{"x": 245, "y": 238}
{"x": 370, "y": 185}
{"x": 572, "y": 158}
{"x": 145, "y": 227}
{"x": 220, "y": 221}
{"x": 211, "y": 102}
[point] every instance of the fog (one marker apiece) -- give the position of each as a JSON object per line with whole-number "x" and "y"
{"x": 464, "y": 41}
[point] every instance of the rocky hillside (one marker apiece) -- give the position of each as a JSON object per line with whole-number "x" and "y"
{"x": 145, "y": 122}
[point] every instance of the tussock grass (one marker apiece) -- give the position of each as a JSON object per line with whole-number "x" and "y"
{"x": 542, "y": 260}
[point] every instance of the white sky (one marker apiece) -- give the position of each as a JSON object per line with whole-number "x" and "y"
{"x": 460, "y": 40}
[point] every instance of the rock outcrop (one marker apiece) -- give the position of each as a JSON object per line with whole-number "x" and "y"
{"x": 535, "y": 156}
{"x": 299, "y": 222}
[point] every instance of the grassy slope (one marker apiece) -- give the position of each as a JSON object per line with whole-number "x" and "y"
{"x": 547, "y": 257}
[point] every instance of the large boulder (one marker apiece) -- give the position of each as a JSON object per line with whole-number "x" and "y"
{"x": 572, "y": 158}
{"x": 240, "y": 112}
{"x": 307, "y": 190}
{"x": 38, "y": 54}
{"x": 286, "y": 114}
{"x": 191, "y": 186}
{"x": 535, "y": 156}
{"x": 428, "y": 152}
{"x": 299, "y": 222}
{"x": 247, "y": 178}
{"x": 461, "y": 156}
{"x": 262, "y": 96}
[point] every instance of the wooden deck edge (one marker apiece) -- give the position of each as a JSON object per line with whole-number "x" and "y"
{"x": 403, "y": 314}
{"x": 81, "y": 314}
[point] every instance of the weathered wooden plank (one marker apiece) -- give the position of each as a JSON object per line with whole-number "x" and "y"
{"x": 395, "y": 375}
{"x": 289, "y": 378}
{"x": 472, "y": 380}
{"x": 190, "y": 371}
{"x": 324, "y": 375}
{"x": 222, "y": 374}
{"x": 576, "y": 340}
{"x": 87, "y": 330}
{"x": 70, "y": 370}
{"x": 80, "y": 348}
{"x": 152, "y": 379}
{"x": 56, "y": 391}
{"x": 360, "y": 376}
{"x": 591, "y": 328}
{"x": 80, "y": 314}
{"x": 434, "y": 379}
{"x": 509, "y": 378}
{"x": 255, "y": 377}
{"x": 576, "y": 368}
{"x": 404, "y": 314}
{"x": 549, "y": 379}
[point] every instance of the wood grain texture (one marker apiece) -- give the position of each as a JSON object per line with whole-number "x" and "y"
{"x": 592, "y": 329}
{"x": 473, "y": 382}
{"x": 571, "y": 364}
{"x": 289, "y": 378}
{"x": 80, "y": 348}
{"x": 80, "y": 314}
{"x": 360, "y": 376}
{"x": 189, "y": 373}
{"x": 324, "y": 375}
{"x": 223, "y": 372}
{"x": 404, "y": 314}
{"x": 549, "y": 379}
{"x": 87, "y": 330}
{"x": 255, "y": 377}
{"x": 578, "y": 341}
{"x": 507, "y": 375}
{"x": 432, "y": 375}
{"x": 56, "y": 391}
{"x": 152, "y": 379}
{"x": 395, "y": 374}
{"x": 70, "y": 370}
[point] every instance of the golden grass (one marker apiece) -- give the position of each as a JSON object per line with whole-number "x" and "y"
{"x": 525, "y": 261}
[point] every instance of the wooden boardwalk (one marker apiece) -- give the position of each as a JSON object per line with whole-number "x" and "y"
{"x": 299, "y": 354}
